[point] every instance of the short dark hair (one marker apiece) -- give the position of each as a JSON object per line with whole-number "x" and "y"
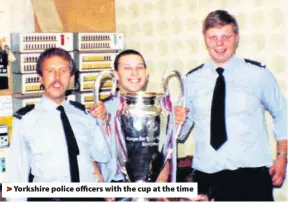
{"x": 220, "y": 18}
{"x": 51, "y": 52}
{"x": 127, "y": 52}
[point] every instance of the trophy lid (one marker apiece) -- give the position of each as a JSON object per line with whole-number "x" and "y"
{"x": 147, "y": 98}
{"x": 141, "y": 94}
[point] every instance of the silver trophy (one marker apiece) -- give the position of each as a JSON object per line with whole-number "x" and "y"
{"x": 148, "y": 132}
{"x": 146, "y": 135}
{"x": 141, "y": 127}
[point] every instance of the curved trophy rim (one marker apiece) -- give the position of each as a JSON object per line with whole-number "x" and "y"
{"x": 141, "y": 94}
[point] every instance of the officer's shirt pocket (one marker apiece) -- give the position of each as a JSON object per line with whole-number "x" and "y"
{"x": 48, "y": 155}
{"x": 241, "y": 101}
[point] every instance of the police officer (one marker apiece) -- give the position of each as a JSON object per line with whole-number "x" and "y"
{"x": 226, "y": 100}
{"x": 55, "y": 140}
{"x": 131, "y": 73}
{"x": 132, "y": 77}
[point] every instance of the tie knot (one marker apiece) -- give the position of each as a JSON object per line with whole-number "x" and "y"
{"x": 60, "y": 108}
{"x": 220, "y": 70}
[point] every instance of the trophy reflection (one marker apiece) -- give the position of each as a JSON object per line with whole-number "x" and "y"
{"x": 141, "y": 127}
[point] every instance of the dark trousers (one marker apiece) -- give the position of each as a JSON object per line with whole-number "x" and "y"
{"x": 243, "y": 184}
{"x": 118, "y": 181}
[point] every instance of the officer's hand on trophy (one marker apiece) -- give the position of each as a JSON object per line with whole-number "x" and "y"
{"x": 98, "y": 111}
{"x": 180, "y": 115}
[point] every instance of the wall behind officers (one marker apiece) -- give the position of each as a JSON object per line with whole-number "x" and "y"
{"x": 55, "y": 139}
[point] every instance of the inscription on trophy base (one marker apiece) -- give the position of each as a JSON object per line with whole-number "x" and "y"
{"x": 144, "y": 159}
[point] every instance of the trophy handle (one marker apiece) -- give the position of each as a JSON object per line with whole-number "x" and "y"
{"x": 165, "y": 80}
{"x": 121, "y": 155}
{"x": 172, "y": 147}
{"x": 96, "y": 93}
{"x": 97, "y": 84}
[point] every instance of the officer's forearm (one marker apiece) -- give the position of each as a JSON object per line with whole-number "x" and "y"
{"x": 282, "y": 148}
{"x": 164, "y": 174}
{"x": 97, "y": 172}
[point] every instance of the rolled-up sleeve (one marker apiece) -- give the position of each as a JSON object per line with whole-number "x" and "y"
{"x": 274, "y": 102}
{"x": 186, "y": 128}
{"x": 99, "y": 147}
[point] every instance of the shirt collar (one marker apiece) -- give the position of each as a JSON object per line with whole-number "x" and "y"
{"x": 228, "y": 66}
{"x": 49, "y": 105}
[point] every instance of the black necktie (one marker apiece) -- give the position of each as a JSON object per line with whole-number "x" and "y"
{"x": 72, "y": 146}
{"x": 218, "y": 125}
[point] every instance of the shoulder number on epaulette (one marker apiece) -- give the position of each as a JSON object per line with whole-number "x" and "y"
{"x": 21, "y": 112}
{"x": 255, "y": 63}
{"x": 78, "y": 106}
{"x": 195, "y": 69}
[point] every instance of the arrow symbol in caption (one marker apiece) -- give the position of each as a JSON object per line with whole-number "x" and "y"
{"x": 9, "y": 189}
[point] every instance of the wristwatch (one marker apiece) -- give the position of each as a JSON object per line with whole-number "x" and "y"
{"x": 282, "y": 154}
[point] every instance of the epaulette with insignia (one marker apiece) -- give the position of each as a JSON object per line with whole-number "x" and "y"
{"x": 195, "y": 69}
{"x": 78, "y": 106}
{"x": 21, "y": 112}
{"x": 254, "y": 63}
